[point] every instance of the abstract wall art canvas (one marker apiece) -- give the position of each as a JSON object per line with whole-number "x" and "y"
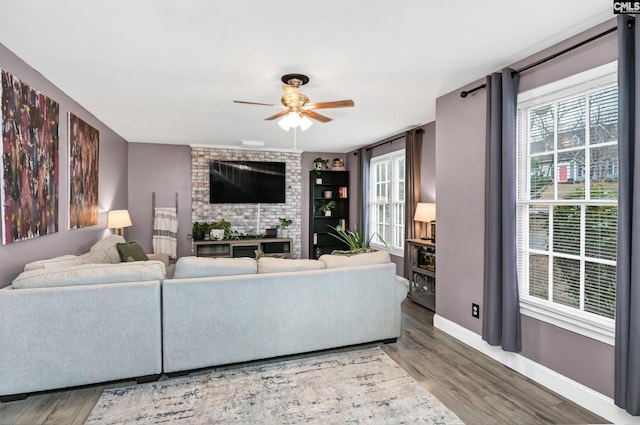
{"x": 84, "y": 143}
{"x": 30, "y": 171}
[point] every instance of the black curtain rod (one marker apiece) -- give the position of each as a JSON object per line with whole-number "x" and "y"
{"x": 465, "y": 93}
{"x": 391, "y": 140}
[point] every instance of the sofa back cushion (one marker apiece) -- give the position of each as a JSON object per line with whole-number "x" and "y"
{"x": 56, "y": 262}
{"x": 187, "y": 267}
{"x": 277, "y": 265}
{"x": 91, "y": 274}
{"x": 366, "y": 259}
{"x": 105, "y": 250}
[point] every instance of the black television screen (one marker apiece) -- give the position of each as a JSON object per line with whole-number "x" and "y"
{"x": 236, "y": 182}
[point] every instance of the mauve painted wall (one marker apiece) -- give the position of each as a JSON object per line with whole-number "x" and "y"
{"x": 460, "y": 152}
{"x": 166, "y": 170}
{"x": 112, "y": 180}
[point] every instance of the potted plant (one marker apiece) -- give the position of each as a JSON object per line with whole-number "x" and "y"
{"x": 200, "y": 230}
{"x": 354, "y": 239}
{"x": 326, "y": 207}
{"x": 220, "y": 229}
{"x": 284, "y": 224}
{"x": 320, "y": 164}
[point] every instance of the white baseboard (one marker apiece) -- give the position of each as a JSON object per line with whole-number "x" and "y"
{"x": 584, "y": 396}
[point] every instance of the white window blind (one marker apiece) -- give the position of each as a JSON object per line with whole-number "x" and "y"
{"x": 567, "y": 203}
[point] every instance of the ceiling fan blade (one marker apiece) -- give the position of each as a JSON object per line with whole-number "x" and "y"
{"x": 278, "y": 115}
{"x": 256, "y": 103}
{"x": 326, "y": 105}
{"x": 316, "y": 116}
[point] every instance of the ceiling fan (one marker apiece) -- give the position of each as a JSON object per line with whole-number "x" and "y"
{"x": 296, "y": 108}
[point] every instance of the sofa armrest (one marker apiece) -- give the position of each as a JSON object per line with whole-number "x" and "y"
{"x": 77, "y": 335}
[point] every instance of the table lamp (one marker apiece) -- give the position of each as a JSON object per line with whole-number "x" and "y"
{"x": 425, "y": 213}
{"x": 119, "y": 219}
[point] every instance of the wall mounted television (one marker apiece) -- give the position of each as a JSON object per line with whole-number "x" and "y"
{"x": 253, "y": 182}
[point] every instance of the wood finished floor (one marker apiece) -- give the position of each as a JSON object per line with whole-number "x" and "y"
{"x": 478, "y": 389}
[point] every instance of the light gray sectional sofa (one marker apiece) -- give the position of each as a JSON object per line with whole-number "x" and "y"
{"x": 65, "y": 322}
{"x": 248, "y": 310}
{"x": 77, "y": 324}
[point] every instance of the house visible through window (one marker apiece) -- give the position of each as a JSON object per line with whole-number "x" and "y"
{"x": 386, "y": 208}
{"x": 568, "y": 203}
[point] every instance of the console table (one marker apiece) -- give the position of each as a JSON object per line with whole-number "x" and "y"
{"x": 271, "y": 247}
{"x": 422, "y": 285}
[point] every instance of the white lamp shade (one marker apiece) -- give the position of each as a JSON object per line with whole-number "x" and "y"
{"x": 425, "y": 212}
{"x": 117, "y": 219}
{"x": 284, "y": 123}
{"x": 305, "y": 123}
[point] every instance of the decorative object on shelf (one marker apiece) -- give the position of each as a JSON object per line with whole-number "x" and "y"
{"x": 354, "y": 239}
{"x": 320, "y": 164}
{"x": 200, "y": 230}
{"x": 30, "y": 153}
{"x": 84, "y": 146}
{"x": 318, "y": 180}
{"x": 326, "y": 207}
{"x": 342, "y": 192}
{"x": 426, "y": 213}
{"x": 337, "y": 165}
{"x": 284, "y": 226}
{"x": 328, "y": 194}
{"x": 119, "y": 219}
{"x": 223, "y": 225}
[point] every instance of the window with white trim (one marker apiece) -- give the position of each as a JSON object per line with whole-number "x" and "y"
{"x": 567, "y": 202}
{"x": 386, "y": 207}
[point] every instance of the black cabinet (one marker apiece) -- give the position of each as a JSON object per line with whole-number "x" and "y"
{"x": 327, "y": 188}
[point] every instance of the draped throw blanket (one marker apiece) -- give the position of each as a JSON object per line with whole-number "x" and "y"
{"x": 165, "y": 232}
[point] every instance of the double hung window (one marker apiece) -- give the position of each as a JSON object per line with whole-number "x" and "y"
{"x": 386, "y": 208}
{"x": 567, "y": 202}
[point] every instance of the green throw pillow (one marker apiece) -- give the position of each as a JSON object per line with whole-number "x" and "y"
{"x": 131, "y": 251}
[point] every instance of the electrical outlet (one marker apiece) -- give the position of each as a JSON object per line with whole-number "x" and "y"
{"x": 475, "y": 310}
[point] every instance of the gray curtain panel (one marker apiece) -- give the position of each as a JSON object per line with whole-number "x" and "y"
{"x": 413, "y": 150}
{"x": 501, "y": 317}
{"x": 364, "y": 162}
{"x": 627, "y": 350}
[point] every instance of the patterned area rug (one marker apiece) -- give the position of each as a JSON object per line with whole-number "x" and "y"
{"x": 355, "y": 387}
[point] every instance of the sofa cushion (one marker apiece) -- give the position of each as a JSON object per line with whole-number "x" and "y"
{"x": 91, "y": 274}
{"x": 366, "y": 259}
{"x": 203, "y": 267}
{"x": 277, "y": 265}
{"x": 107, "y": 247}
{"x": 131, "y": 251}
{"x": 57, "y": 262}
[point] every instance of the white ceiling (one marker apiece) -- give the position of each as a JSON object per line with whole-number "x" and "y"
{"x": 167, "y": 71}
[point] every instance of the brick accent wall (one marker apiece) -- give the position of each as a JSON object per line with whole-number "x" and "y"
{"x": 243, "y": 217}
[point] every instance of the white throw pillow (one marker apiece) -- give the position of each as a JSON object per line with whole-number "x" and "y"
{"x": 91, "y": 274}
{"x": 365, "y": 259}
{"x": 57, "y": 262}
{"x": 187, "y": 267}
{"x": 276, "y": 265}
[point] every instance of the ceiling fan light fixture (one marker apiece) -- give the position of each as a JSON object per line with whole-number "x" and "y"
{"x": 305, "y": 123}
{"x": 284, "y": 123}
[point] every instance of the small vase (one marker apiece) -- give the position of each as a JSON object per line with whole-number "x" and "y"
{"x": 328, "y": 194}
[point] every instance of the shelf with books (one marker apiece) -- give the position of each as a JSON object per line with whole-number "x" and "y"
{"x": 327, "y": 187}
